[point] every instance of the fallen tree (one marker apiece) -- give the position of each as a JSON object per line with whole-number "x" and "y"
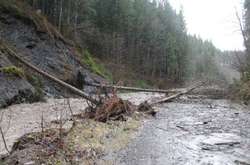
{"x": 147, "y": 106}
{"x": 133, "y": 88}
{"x": 170, "y": 98}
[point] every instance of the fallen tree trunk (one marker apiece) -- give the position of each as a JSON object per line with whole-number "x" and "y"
{"x": 134, "y": 89}
{"x": 188, "y": 90}
{"x": 52, "y": 78}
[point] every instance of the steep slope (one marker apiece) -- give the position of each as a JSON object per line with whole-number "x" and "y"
{"x": 28, "y": 33}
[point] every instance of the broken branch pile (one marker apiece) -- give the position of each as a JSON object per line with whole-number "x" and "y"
{"x": 112, "y": 108}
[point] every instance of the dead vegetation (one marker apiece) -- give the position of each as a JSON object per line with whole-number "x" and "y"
{"x": 92, "y": 139}
{"x": 38, "y": 148}
{"x": 85, "y": 143}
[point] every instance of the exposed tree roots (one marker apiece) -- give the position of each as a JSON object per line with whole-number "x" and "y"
{"x": 112, "y": 108}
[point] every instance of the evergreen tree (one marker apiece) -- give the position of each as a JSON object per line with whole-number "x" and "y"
{"x": 148, "y": 36}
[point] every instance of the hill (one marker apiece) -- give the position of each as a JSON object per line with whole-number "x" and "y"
{"x": 28, "y": 33}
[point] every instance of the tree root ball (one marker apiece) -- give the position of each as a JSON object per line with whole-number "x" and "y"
{"x": 113, "y": 108}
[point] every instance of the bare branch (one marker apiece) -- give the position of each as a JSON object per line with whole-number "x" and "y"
{"x": 70, "y": 109}
{"x": 42, "y": 122}
{"x": 4, "y": 141}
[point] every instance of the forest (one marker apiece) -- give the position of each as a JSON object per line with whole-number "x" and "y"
{"x": 149, "y": 38}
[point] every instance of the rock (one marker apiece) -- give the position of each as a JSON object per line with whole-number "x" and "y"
{"x": 14, "y": 89}
{"x": 29, "y": 163}
{"x": 219, "y": 141}
{"x": 4, "y": 61}
{"x": 85, "y": 77}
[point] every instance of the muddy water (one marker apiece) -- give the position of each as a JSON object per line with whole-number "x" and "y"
{"x": 190, "y": 132}
{"x": 21, "y": 119}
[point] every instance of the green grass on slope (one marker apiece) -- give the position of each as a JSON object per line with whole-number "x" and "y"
{"x": 94, "y": 66}
{"x": 12, "y": 70}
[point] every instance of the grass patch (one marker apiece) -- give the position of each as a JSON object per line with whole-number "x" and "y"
{"x": 86, "y": 143}
{"x": 97, "y": 138}
{"x": 94, "y": 66}
{"x": 13, "y": 70}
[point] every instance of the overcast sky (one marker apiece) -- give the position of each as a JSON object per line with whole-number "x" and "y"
{"x": 214, "y": 20}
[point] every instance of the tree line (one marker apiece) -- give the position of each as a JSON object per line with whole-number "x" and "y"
{"x": 148, "y": 36}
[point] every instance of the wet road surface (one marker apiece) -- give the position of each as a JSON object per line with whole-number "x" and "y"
{"x": 190, "y": 132}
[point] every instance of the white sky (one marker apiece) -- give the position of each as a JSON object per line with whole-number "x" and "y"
{"x": 214, "y": 20}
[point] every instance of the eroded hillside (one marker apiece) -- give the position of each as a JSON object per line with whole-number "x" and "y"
{"x": 28, "y": 33}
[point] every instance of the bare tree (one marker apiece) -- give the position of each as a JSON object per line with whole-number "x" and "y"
{"x": 242, "y": 65}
